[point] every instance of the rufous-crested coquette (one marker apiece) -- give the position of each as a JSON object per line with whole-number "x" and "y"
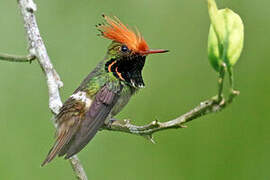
{"x": 104, "y": 92}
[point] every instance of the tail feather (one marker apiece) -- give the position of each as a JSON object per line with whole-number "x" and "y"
{"x": 60, "y": 142}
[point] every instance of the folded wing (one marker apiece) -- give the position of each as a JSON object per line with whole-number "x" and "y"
{"x": 78, "y": 124}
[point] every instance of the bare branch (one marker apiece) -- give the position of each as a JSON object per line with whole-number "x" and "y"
{"x": 78, "y": 168}
{"x": 206, "y": 107}
{"x": 38, "y": 49}
{"x": 16, "y": 58}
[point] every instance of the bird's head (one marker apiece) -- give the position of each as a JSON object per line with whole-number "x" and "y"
{"x": 127, "y": 53}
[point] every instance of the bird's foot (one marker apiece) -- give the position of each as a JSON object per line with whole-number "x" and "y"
{"x": 110, "y": 122}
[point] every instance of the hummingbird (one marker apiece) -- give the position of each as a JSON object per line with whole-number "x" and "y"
{"x": 104, "y": 92}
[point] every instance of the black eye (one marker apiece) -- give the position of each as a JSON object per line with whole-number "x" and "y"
{"x": 124, "y": 48}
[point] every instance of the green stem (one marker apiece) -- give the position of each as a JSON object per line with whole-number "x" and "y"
{"x": 233, "y": 92}
{"x": 231, "y": 78}
{"x": 221, "y": 81}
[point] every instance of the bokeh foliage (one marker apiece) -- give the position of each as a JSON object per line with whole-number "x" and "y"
{"x": 233, "y": 144}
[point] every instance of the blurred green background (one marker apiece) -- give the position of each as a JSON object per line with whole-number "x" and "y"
{"x": 233, "y": 144}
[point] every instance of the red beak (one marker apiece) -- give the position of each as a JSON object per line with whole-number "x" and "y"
{"x": 155, "y": 51}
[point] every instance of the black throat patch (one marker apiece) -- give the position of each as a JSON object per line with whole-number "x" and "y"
{"x": 128, "y": 69}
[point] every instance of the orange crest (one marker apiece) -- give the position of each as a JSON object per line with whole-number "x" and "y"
{"x": 117, "y": 31}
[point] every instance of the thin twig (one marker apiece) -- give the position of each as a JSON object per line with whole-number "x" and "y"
{"x": 206, "y": 107}
{"x": 16, "y": 58}
{"x": 38, "y": 49}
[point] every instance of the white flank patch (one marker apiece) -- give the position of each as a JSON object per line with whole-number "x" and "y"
{"x": 81, "y": 96}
